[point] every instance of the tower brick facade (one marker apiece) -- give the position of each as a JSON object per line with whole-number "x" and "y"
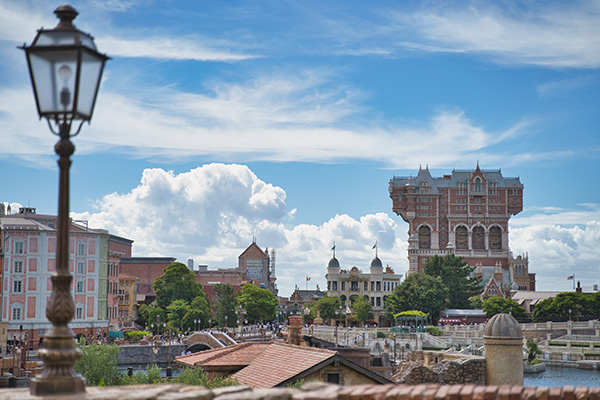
{"x": 464, "y": 213}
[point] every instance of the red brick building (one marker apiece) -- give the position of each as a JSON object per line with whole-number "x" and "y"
{"x": 147, "y": 270}
{"x": 465, "y": 213}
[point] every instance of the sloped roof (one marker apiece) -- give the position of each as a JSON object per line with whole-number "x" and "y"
{"x": 263, "y": 365}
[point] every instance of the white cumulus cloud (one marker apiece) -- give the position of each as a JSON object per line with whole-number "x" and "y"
{"x": 212, "y": 212}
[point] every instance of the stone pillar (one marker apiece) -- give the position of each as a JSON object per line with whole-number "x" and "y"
{"x": 294, "y": 329}
{"x": 503, "y": 343}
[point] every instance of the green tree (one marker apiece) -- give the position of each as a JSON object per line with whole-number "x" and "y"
{"x": 175, "y": 313}
{"x": 328, "y": 305}
{"x": 532, "y": 351}
{"x": 177, "y": 282}
{"x": 260, "y": 304}
{"x": 475, "y": 302}
{"x": 582, "y": 306}
{"x": 496, "y": 305}
{"x": 99, "y": 363}
{"x": 418, "y": 292}
{"x": 224, "y": 303}
{"x": 362, "y": 310}
{"x": 199, "y": 310}
{"x": 457, "y": 276}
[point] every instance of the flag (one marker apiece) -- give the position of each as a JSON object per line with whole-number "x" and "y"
{"x": 333, "y": 248}
{"x": 375, "y": 245}
{"x": 307, "y": 278}
{"x": 570, "y": 278}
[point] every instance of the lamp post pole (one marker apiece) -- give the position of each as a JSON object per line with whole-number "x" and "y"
{"x": 65, "y": 70}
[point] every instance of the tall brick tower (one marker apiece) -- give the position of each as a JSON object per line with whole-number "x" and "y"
{"x": 465, "y": 213}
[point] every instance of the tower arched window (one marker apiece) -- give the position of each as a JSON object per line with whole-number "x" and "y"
{"x": 478, "y": 238}
{"x": 424, "y": 237}
{"x": 495, "y": 238}
{"x": 462, "y": 241}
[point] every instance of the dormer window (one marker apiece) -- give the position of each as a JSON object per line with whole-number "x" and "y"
{"x": 477, "y": 185}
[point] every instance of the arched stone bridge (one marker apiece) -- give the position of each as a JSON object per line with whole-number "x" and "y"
{"x": 199, "y": 341}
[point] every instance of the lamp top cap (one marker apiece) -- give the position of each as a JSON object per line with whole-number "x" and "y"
{"x": 66, "y": 14}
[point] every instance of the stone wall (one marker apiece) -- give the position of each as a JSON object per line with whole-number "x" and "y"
{"x": 139, "y": 354}
{"x": 315, "y": 391}
{"x": 423, "y": 367}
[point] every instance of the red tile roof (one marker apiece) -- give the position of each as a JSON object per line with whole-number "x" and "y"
{"x": 263, "y": 365}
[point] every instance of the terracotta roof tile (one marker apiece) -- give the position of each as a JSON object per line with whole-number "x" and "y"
{"x": 280, "y": 362}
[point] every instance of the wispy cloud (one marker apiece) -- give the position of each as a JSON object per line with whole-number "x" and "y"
{"x": 176, "y": 48}
{"x": 564, "y": 85}
{"x": 298, "y": 116}
{"x": 554, "y": 35}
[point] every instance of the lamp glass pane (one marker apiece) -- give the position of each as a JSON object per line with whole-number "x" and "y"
{"x": 64, "y": 38}
{"x": 54, "y": 74}
{"x": 89, "y": 80}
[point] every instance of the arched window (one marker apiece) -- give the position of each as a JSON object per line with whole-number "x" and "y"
{"x": 462, "y": 241}
{"x": 478, "y": 238}
{"x": 477, "y": 185}
{"x": 495, "y": 238}
{"x": 424, "y": 237}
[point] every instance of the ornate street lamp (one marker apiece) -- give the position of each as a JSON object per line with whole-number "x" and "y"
{"x": 65, "y": 70}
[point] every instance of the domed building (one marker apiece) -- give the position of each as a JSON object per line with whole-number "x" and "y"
{"x": 352, "y": 283}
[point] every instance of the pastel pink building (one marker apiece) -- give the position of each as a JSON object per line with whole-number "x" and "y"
{"x": 27, "y": 257}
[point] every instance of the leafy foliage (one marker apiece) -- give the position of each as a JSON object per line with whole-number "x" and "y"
{"x": 224, "y": 303}
{"x": 149, "y": 376}
{"x": 457, "y": 276}
{"x": 99, "y": 363}
{"x": 362, "y": 310}
{"x": 532, "y": 351}
{"x": 260, "y": 304}
{"x": 135, "y": 336}
{"x": 582, "y": 306}
{"x": 417, "y": 292}
{"x": 434, "y": 331}
{"x": 496, "y": 305}
{"x": 328, "y": 306}
{"x": 196, "y": 376}
{"x": 176, "y": 282}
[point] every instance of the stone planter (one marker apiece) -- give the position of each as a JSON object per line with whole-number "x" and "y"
{"x": 534, "y": 369}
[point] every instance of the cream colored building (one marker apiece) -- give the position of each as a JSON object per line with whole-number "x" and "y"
{"x": 352, "y": 284}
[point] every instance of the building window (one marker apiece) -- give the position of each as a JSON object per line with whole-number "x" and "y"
{"x": 378, "y": 301}
{"x": 79, "y": 313}
{"x": 354, "y": 286}
{"x": 477, "y": 185}
{"x": 18, "y": 267}
{"x": 495, "y": 238}
{"x": 16, "y": 313}
{"x": 462, "y": 238}
{"x": 19, "y": 247}
{"x": 343, "y": 285}
{"x": 81, "y": 249}
{"x": 378, "y": 286}
{"x": 424, "y": 237}
{"x": 372, "y": 301}
{"x": 81, "y": 268}
{"x": 79, "y": 288}
{"x": 328, "y": 285}
{"x": 366, "y": 286}
{"x": 334, "y": 286}
{"x": 478, "y": 238}
{"x": 333, "y": 377}
{"x": 17, "y": 286}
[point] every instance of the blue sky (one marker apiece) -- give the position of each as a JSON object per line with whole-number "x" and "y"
{"x": 221, "y": 121}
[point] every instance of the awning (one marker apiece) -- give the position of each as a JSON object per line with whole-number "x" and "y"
{"x": 117, "y": 334}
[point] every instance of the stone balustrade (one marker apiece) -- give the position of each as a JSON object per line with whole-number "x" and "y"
{"x": 315, "y": 391}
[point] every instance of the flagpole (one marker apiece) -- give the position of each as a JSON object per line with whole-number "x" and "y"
{"x": 573, "y": 280}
